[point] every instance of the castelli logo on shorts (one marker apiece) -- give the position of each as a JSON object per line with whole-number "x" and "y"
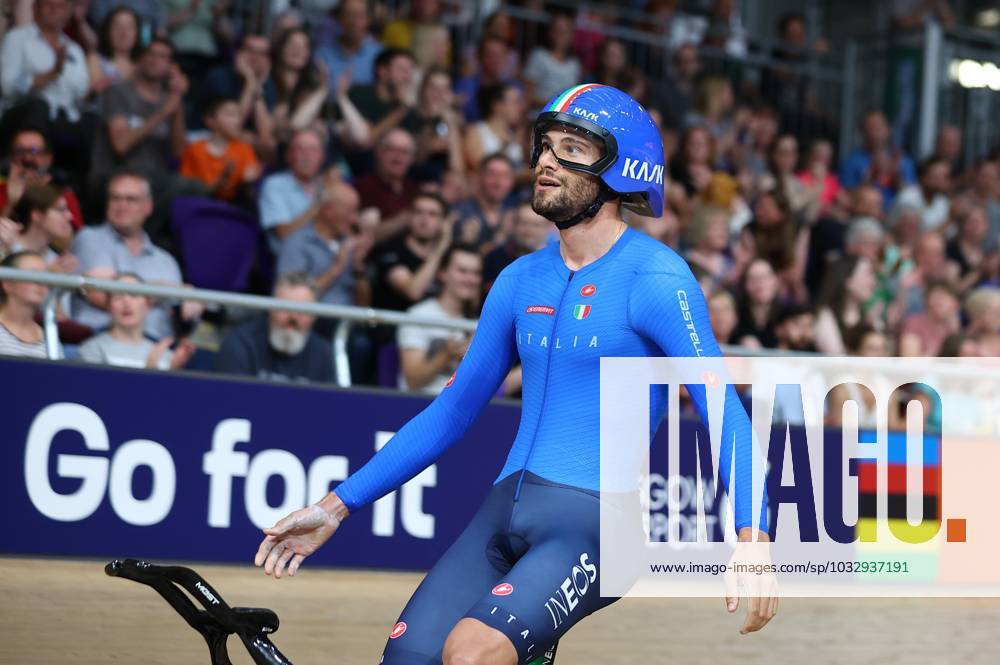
{"x": 503, "y": 589}
{"x": 540, "y": 309}
{"x": 397, "y": 630}
{"x": 588, "y": 290}
{"x": 451, "y": 380}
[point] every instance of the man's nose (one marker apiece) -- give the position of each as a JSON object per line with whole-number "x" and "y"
{"x": 547, "y": 158}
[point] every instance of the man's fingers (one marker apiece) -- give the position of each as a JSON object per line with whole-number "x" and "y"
{"x": 732, "y": 589}
{"x": 758, "y": 614}
{"x": 773, "y": 605}
{"x": 272, "y": 558}
{"x": 293, "y": 567}
{"x": 264, "y": 550}
{"x": 282, "y": 562}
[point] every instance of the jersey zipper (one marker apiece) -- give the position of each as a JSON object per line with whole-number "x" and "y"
{"x": 545, "y": 391}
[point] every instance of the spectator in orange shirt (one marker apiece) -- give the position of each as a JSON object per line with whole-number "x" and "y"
{"x": 224, "y": 162}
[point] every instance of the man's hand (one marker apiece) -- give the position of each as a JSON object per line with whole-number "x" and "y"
{"x": 20, "y": 178}
{"x": 369, "y": 219}
{"x": 66, "y": 264}
{"x": 9, "y": 231}
{"x": 447, "y": 233}
{"x": 361, "y": 246}
{"x": 177, "y": 87}
{"x": 755, "y": 578}
{"x": 182, "y": 354}
{"x": 298, "y": 535}
{"x": 156, "y": 353}
{"x": 241, "y": 63}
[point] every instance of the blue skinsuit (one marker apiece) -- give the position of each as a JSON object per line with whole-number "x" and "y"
{"x": 539, "y": 525}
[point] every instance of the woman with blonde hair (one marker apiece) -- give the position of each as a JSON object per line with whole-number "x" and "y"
{"x": 708, "y": 240}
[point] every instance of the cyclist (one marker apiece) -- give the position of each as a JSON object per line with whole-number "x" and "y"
{"x": 499, "y": 595}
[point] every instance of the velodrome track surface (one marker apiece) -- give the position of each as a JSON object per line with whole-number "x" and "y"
{"x": 67, "y": 611}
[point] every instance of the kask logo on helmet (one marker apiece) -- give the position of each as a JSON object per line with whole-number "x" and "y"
{"x": 576, "y": 110}
{"x": 647, "y": 172}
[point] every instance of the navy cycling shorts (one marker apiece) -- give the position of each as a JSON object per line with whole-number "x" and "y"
{"x": 528, "y": 568}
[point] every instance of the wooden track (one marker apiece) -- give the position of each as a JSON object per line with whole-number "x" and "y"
{"x": 57, "y": 611}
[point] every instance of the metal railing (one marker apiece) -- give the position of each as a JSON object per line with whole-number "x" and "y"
{"x": 348, "y": 315}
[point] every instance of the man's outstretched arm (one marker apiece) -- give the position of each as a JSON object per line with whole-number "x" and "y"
{"x": 418, "y": 444}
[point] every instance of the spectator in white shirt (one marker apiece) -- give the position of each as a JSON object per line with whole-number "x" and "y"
{"x": 930, "y": 195}
{"x": 429, "y": 356}
{"x": 43, "y": 73}
{"x": 549, "y": 71}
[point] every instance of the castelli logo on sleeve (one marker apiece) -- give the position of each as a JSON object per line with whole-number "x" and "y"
{"x": 503, "y": 589}
{"x": 588, "y": 290}
{"x": 540, "y": 309}
{"x": 451, "y": 380}
{"x": 397, "y": 630}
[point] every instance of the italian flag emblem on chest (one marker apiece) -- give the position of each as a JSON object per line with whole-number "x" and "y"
{"x": 581, "y": 311}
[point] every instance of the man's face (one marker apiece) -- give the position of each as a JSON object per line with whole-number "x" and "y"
{"x": 400, "y": 74}
{"x": 561, "y": 193}
{"x": 496, "y": 180}
{"x": 156, "y": 61}
{"x": 795, "y": 33}
{"x": 936, "y": 179}
{"x": 797, "y": 332}
{"x": 463, "y": 276}
{"x": 987, "y": 179}
{"x": 426, "y": 219}
{"x": 687, "y": 62}
{"x": 874, "y": 345}
{"x": 876, "y": 130}
{"x": 305, "y": 155}
{"x": 930, "y": 254}
{"x": 531, "y": 230}
{"x": 340, "y": 214}
{"x": 257, "y": 51}
{"x": 949, "y": 142}
{"x": 867, "y": 202}
{"x": 129, "y": 204}
{"x": 425, "y": 10}
{"x": 353, "y": 19}
{"x": 493, "y": 58}
{"x": 53, "y": 14}
{"x": 289, "y": 331}
{"x": 868, "y": 245}
{"x": 28, "y": 151}
{"x": 394, "y": 156}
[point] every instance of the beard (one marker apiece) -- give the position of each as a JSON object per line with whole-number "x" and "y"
{"x": 575, "y": 194}
{"x": 287, "y": 340}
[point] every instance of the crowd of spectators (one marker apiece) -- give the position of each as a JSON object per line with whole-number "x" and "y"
{"x": 387, "y": 166}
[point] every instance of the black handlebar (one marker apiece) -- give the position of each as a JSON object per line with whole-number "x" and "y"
{"x": 217, "y": 621}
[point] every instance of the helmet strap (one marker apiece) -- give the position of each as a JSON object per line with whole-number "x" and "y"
{"x": 604, "y": 194}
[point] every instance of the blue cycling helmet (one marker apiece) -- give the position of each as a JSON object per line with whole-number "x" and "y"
{"x": 632, "y": 166}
